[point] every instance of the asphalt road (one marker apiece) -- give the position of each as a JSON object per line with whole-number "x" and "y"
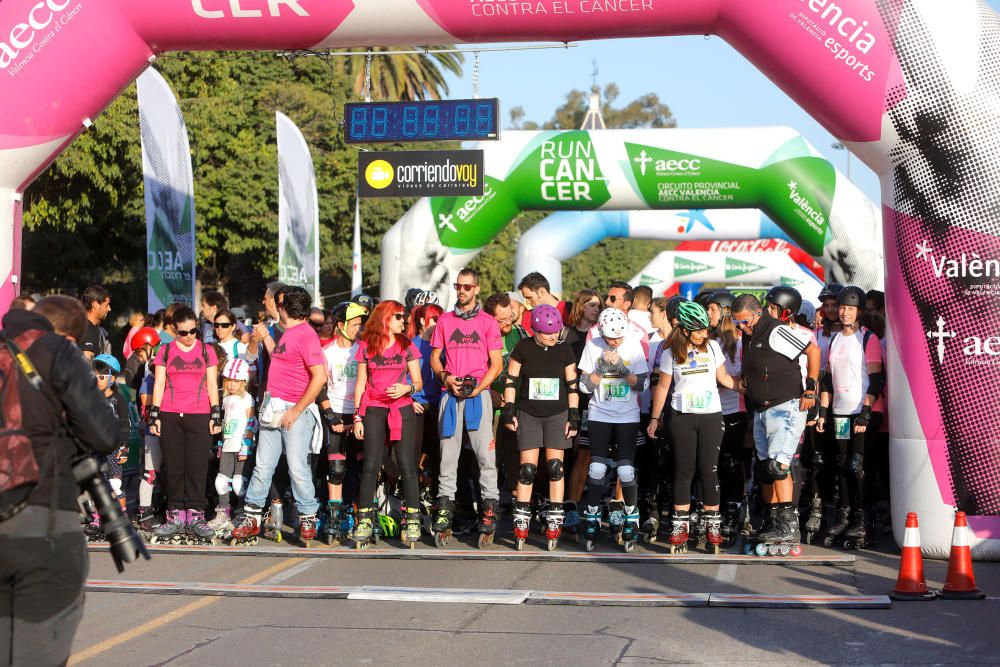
{"x": 142, "y": 629}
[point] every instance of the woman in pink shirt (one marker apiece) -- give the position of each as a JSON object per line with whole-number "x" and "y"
{"x": 384, "y": 407}
{"x": 185, "y": 414}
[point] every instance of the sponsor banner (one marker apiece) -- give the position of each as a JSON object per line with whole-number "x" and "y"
{"x": 421, "y": 174}
{"x": 298, "y": 210}
{"x": 168, "y": 186}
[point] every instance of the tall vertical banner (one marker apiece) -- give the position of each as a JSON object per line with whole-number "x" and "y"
{"x": 298, "y": 210}
{"x": 169, "y": 194}
{"x": 356, "y": 284}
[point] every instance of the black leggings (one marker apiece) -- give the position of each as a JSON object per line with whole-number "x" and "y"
{"x": 851, "y": 462}
{"x": 734, "y": 458}
{"x": 187, "y": 446}
{"x": 376, "y": 423}
{"x": 697, "y": 440}
{"x": 602, "y": 435}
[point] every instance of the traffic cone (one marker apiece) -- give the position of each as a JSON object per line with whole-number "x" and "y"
{"x": 910, "y": 584}
{"x": 960, "y": 583}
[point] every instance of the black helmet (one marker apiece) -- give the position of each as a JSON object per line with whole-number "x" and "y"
{"x": 785, "y": 297}
{"x": 673, "y": 304}
{"x": 367, "y": 302}
{"x": 339, "y": 312}
{"x": 830, "y": 291}
{"x": 722, "y": 298}
{"x": 851, "y": 296}
{"x": 704, "y": 298}
{"x": 410, "y": 298}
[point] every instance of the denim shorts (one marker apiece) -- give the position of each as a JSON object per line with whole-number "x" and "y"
{"x": 778, "y": 430}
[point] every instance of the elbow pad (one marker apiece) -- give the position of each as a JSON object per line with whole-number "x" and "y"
{"x": 876, "y": 383}
{"x": 573, "y": 386}
{"x": 585, "y": 381}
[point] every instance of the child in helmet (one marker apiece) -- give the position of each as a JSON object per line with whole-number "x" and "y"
{"x": 106, "y": 369}
{"x": 237, "y": 443}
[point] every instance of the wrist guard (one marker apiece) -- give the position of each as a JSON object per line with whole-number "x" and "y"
{"x": 810, "y": 384}
{"x": 574, "y": 419}
{"x": 865, "y": 416}
{"x": 330, "y": 417}
{"x": 216, "y": 415}
{"x": 154, "y": 414}
{"x": 823, "y": 412}
{"x": 507, "y": 414}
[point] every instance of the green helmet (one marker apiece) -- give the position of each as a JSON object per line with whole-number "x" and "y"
{"x": 692, "y": 316}
{"x": 388, "y": 525}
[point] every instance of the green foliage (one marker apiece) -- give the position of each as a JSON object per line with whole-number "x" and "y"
{"x": 645, "y": 111}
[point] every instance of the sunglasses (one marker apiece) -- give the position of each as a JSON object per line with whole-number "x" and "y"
{"x": 398, "y": 316}
{"x": 459, "y": 287}
{"x": 103, "y": 376}
{"x": 610, "y": 298}
{"x": 223, "y": 325}
{"x": 740, "y": 323}
{"x": 189, "y": 332}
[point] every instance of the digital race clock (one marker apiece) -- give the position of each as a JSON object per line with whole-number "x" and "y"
{"x": 445, "y": 120}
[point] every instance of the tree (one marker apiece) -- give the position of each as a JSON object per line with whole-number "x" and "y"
{"x": 405, "y": 76}
{"x": 644, "y": 111}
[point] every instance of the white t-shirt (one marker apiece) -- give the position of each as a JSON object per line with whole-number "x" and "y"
{"x": 234, "y": 410}
{"x": 848, "y": 367}
{"x": 341, "y": 376}
{"x": 695, "y": 387}
{"x": 643, "y": 319}
{"x": 823, "y": 343}
{"x": 234, "y": 349}
{"x": 732, "y": 401}
{"x": 613, "y": 401}
{"x": 646, "y": 397}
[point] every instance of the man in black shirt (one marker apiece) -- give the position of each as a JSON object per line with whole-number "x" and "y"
{"x": 97, "y": 303}
{"x": 774, "y": 392}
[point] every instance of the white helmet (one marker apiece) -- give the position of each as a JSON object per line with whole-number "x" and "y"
{"x": 612, "y": 323}
{"x": 236, "y": 369}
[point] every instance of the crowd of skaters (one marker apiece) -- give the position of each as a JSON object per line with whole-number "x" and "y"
{"x": 405, "y": 416}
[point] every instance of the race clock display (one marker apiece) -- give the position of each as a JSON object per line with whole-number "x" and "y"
{"x": 443, "y": 120}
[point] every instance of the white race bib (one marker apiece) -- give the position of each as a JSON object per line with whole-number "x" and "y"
{"x": 615, "y": 390}
{"x": 543, "y": 389}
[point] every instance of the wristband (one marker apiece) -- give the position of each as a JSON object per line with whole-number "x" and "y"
{"x": 573, "y": 417}
{"x": 652, "y": 418}
{"x": 865, "y": 416}
{"x": 413, "y": 389}
{"x": 823, "y": 411}
{"x": 357, "y": 418}
{"x": 810, "y": 384}
{"x": 216, "y": 415}
{"x": 154, "y": 414}
{"x": 330, "y": 417}
{"x": 507, "y": 414}
{"x": 810, "y": 395}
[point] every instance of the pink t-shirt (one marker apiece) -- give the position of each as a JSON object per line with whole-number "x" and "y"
{"x": 288, "y": 375}
{"x": 467, "y": 343}
{"x": 186, "y": 389}
{"x": 385, "y": 369}
{"x": 848, "y": 368}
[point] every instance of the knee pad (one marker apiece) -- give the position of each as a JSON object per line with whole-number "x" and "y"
{"x": 239, "y": 485}
{"x": 597, "y": 471}
{"x": 116, "y": 485}
{"x": 626, "y": 473}
{"x": 857, "y": 465}
{"x": 221, "y": 485}
{"x": 337, "y": 471}
{"x": 526, "y": 473}
{"x": 556, "y": 472}
{"x": 775, "y": 471}
{"x": 149, "y": 477}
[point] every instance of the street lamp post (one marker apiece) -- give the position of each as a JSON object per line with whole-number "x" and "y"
{"x": 841, "y": 147}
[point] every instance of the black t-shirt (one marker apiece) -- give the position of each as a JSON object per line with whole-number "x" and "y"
{"x": 543, "y": 391}
{"x": 772, "y": 377}
{"x": 94, "y": 340}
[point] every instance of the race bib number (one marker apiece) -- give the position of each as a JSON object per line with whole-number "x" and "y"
{"x": 615, "y": 390}
{"x": 842, "y": 428}
{"x": 543, "y": 389}
{"x": 696, "y": 401}
{"x": 230, "y": 428}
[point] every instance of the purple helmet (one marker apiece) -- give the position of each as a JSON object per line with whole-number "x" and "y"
{"x": 546, "y": 319}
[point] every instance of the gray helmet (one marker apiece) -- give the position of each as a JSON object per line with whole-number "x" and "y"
{"x": 830, "y": 291}
{"x": 851, "y": 295}
{"x": 722, "y": 298}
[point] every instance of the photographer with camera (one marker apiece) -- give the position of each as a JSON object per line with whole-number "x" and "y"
{"x": 472, "y": 346}
{"x": 43, "y": 552}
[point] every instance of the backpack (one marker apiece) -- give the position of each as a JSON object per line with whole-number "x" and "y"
{"x": 19, "y": 471}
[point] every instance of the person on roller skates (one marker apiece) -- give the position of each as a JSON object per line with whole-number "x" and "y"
{"x": 694, "y": 366}
{"x": 541, "y": 405}
{"x": 337, "y": 410}
{"x": 237, "y": 443}
{"x": 472, "y": 347}
{"x": 288, "y": 416}
{"x": 384, "y": 403}
{"x": 850, "y": 403}
{"x": 774, "y": 392}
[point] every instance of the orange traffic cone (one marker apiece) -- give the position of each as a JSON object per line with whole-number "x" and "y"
{"x": 960, "y": 583}
{"x": 910, "y": 584}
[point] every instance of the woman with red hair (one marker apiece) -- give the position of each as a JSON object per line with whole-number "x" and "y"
{"x": 383, "y": 403}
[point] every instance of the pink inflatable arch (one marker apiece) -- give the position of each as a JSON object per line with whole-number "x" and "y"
{"x": 910, "y": 85}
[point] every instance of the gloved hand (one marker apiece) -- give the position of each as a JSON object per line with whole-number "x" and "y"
{"x": 574, "y": 419}
{"x": 508, "y": 414}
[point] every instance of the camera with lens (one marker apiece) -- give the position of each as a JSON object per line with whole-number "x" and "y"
{"x": 126, "y": 545}
{"x": 466, "y": 385}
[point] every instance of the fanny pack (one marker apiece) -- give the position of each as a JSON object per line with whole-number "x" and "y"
{"x": 272, "y": 410}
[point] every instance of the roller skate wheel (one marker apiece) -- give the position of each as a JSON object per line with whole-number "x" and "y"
{"x": 761, "y": 549}
{"x": 591, "y": 545}
{"x": 553, "y": 543}
{"x": 618, "y": 538}
{"x": 519, "y": 544}
{"x": 748, "y": 549}
{"x": 828, "y": 542}
{"x": 485, "y": 540}
{"x": 629, "y": 546}
{"x": 784, "y": 549}
{"x": 796, "y": 550}
{"x": 713, "y": 549}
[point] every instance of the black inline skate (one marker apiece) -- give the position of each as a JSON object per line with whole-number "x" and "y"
{"x": 616, "y": 519}
{"x": 332, "y": 524}
{"x": 730, "y": 527}
{"x": 488, "y": 522}
{"x": 442, "y": 521}
{"x": 834, "y": 534}
{"x": 573, "y": 523}
{"x": 781, "y": 538}
{"x": 861, "y": 534}
{"x": 814, "y": 522}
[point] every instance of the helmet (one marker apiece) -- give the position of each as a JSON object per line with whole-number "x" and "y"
{"x": 612, "y": 323}
{"x": 851, "y": 296}
{"x": 830, "y": 291}
{"x": 410, "y": 298}
{"x": 109, "y": 361}
{"x": 546, "y": 319}
{"x": 236, "y": 369}
{"x": 808, "y": 311}
{"x": 704, "y": 298}
{"x": 339, "y": 312}
{"x": 367, "y": 302}
{"x": 672, "y": 305}
{"x": 426, "y": 297}
{"x": 388, "y": 525}
{"x": 722, "y": 298}
{"x": 785, "y": 297}
{"x": 144, "y": 336}
{"x": 346, "y": 311}
{"x": 692, "y": 316}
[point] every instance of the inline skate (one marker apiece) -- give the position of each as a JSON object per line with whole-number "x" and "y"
{"x": 221, "y": 524}
{"x": 730, "y": 527}
{"x": 616, "y": 519}
{"x": 860, "y": 535}
{"x": 554, "y": 524}
{"x": 630, "y": 529}
{"x": 522, "y": 523}
{"x": 696, "y": 525}
{"x": 592, "y": 526}
{"x": 410, "y": 530}
{"x": 92, "y": 529}
{"x": 488, "y": 522}
{"x": 442, "y": 522}
{"x": 247, "y": 528}
{"x": 307, "y": 529}
{"x": 332, "y": 525}
{"x": 814, "y": 522}
{"x": 273, "y": 522}
{"x": 364, "y": 529}
{"x": 572, "y": 523}
{"x": 172, "y": 530}
{"x": 196, "y": 530}
{"x": 713, "y": 531}
{"x": 835, "y": 532}
{"x": 781, "y": 538}
{"x": 680, "y": 524}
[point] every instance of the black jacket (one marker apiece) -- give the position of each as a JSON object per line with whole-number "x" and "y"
{"x": 70, "y": 389}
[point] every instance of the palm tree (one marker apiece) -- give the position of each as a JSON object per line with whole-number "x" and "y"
{"x": 405, "y": 77}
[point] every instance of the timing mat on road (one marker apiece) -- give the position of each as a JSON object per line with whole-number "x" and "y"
{"x": 494, "y": 554}
{"x": 488, "y": 596}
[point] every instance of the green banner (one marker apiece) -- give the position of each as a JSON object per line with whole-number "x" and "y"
{"x": 736, "y": 267}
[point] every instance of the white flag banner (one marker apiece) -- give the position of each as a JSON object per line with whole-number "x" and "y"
{"x": 298, "y": 210}
{"x": 169, "y": 194}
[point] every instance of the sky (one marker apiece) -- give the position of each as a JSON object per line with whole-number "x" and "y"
{"x": 705, "y": 82}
